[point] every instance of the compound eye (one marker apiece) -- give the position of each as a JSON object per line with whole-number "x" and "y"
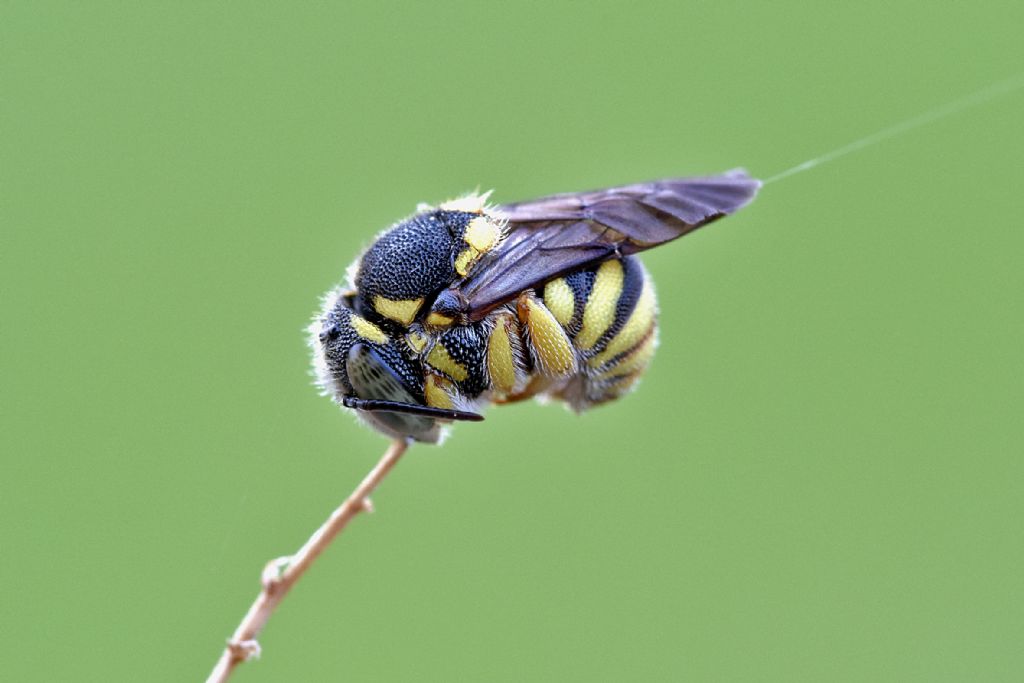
{"x": 373, "y": 378}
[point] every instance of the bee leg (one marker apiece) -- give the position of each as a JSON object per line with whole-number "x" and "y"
{"x": 549, "y": 345}
{"x": 506, "y": 359}
{"x": 440, "y": 392}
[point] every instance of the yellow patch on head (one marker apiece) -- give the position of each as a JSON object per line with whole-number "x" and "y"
{"x": 439, "y": 359}
{"x": 439, "y": 319}
{"x": 638, "y": 325}
{"x": 438, "y": 392}
{"x": 501, "y": 365}
{"x": 482, "y": 234}
{"x": 465, "y": 260}
{"x": 560, "y": 300}
{"x": 599, "y": 313}
{"x": 400, "y": 310}
{"x": 550, "y": 343}
{"x": 367, "y": 330}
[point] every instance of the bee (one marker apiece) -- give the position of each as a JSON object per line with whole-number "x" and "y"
{"x": 468, "y": 303}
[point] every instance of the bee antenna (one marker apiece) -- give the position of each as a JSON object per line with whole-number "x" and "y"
{"x": 373, "y": 404}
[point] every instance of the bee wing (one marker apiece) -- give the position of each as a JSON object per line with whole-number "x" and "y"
{"x": 553, "y": 236}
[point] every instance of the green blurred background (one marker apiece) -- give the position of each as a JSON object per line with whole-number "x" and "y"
{"x": 820, "y": 480}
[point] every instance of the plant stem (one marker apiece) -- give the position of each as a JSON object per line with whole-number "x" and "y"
{"x": 281, "y": 574}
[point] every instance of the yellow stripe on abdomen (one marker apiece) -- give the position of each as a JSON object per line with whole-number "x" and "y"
{"x": 638, "y": 325}
{"x": 560, "y": 300}
{"x": 636, "y": 362}
{"x": 599, "y": 312}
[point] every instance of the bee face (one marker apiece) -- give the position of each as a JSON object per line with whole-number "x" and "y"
{"x": 374, "y": 376}
{"x": 466, "y": 305}
{"x": 357, "y": 361}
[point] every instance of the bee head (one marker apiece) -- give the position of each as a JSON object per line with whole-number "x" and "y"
{"x": 363, "y": 367}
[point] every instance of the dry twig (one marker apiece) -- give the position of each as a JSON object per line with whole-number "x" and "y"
{"x": 281, "y": 574}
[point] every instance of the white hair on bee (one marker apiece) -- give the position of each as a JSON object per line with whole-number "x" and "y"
{"x": 323, "y": 379}
{"x": 352, "y": 270}
{"x": 471, "y": 202}
{"x": 468, "y": 405}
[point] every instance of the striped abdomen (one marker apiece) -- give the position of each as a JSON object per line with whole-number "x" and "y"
{"x": 585, "y": 337}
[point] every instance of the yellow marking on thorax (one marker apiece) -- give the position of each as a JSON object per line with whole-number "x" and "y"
{"x": 501, "y": 364}
{"x": 560, "y": 300}
{"x": 482, "y": 234}
{"x": 400, "y": 310}
{"x": 367, "y": 330}
{"x": 638, "y": 325}
{"x": 439, "y": 319}
{"x": 438, "y": 392}
{"x": 465, "y": 260}
{"x": 599, "y": 313}
{"x": 636, "y": 362}
{"x": 440, "y": 359}
{"x": 549, "y": 341}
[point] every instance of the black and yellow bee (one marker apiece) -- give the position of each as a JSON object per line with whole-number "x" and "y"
{"x": 468, "y": 304}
